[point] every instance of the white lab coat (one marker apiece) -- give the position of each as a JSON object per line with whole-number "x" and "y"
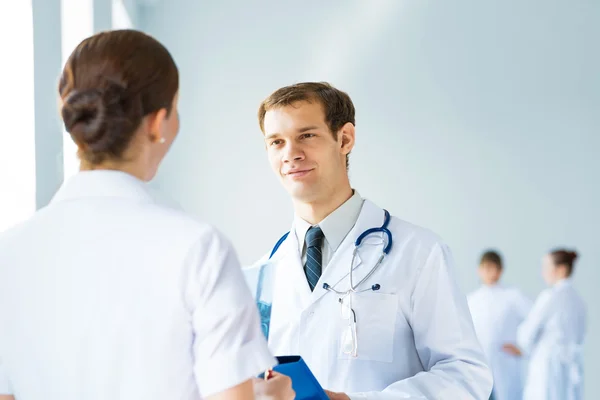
{"x": 107, "y": 294}
{"x": 415, "y": 335}
{"x": 552, "y": 336}
{"x": 497, "y": 312}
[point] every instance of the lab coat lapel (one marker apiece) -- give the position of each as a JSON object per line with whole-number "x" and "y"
{"x": 291, "y": 286}
{"x": 336, "y": 273}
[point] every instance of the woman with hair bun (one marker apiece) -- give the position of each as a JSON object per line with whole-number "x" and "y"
{"x": 106, "y": 293}
{"x": 553, "y": 333}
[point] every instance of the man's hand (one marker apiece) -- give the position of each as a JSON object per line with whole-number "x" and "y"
{"x": 512, "y": 350}
{"x": 279, "y": 387}
{"x": 337, "y": 396}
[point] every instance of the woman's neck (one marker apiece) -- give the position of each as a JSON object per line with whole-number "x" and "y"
{"x": 130, "y": 168}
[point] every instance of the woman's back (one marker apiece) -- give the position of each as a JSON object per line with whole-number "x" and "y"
{"x": 553, "y": 334}
{"x": 566, "y": 322}
{"x": 98, "y": 293}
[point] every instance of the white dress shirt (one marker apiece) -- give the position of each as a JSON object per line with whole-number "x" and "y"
{"x": 335, "y": 227}
{"x": 107, "y": 294}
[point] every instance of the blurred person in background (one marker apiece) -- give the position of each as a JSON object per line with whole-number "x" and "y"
{"x": 553, "y": 333}
{"x": 497, "y": 311}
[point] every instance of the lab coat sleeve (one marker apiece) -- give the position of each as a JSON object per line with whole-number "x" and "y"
{"x": 471, "y": 301}
{"x": 453, "y": 361}
{"x": 229, "y": 347}
{"x": 4, "y": 381}
{"x": 529, "y": 331}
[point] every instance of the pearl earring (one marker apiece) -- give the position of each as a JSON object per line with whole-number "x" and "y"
{"x": 161, "y": 140}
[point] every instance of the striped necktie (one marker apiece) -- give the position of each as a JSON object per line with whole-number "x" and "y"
{"x": 314, "y": 256}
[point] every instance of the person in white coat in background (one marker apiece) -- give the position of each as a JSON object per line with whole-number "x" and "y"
{"x": 381, "y": 320}
{"x": 106, "y": 293}
{"x": 553, "y": 334}
{"x": 497, "y": 312}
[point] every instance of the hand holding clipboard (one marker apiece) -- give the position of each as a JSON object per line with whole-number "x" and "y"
{"x": 278, "y": 387}
{"x": 304, "y": 382}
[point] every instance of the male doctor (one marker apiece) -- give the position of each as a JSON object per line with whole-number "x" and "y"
{"x": 406, "y": 331}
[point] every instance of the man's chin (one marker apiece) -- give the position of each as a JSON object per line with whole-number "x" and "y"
{"x": 302, "y": 193}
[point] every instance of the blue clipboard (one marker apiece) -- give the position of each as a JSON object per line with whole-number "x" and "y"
{"x": 304, "y": 382}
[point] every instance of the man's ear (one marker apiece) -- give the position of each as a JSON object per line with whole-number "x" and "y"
{"x": 347, "y": 135}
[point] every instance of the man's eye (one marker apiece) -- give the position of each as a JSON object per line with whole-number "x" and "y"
{"x": 308, "y": 135}
{"x": 276, "y": 142}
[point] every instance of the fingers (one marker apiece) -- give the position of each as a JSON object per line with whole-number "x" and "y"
{"x": 278, "y": 387}
{"x": 277, "y": 375}
{"x": 511, "y": 349}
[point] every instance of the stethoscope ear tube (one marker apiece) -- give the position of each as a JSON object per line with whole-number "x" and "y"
{"x": 384, "y": 229}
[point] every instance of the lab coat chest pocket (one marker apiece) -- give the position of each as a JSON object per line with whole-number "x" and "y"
{"x": 376, "y": 315}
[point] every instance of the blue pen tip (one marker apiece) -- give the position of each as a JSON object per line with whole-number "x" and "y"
{"x": 325, "y": 286}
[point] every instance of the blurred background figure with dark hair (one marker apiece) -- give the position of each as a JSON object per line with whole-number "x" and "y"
{"x": 497, "y": 311}
{"x": 552, "y": 335}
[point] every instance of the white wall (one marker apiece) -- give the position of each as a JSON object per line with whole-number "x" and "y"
{"x": 476, "y": 119}
{"x": 47, "y": 67}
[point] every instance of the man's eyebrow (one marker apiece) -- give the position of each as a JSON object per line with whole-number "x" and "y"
{"x": 307, "y": 128}
{"x": 299, "y": 130}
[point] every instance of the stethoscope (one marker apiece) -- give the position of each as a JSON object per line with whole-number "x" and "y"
{"x": 350, "y": 340}
{"x": 386, "y": 249}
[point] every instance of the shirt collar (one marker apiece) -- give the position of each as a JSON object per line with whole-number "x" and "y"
{"x": 562, "y": 282}
{"x": 336, "y": 225}
{"x": 104, "y": 183}
{"x": 493, "y": 286}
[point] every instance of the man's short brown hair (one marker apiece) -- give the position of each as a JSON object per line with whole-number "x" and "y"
{"x": 337, "y": 105}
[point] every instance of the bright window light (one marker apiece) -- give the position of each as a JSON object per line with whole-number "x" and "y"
{"x": 17, "y": 148}
{"x": 77, "y": 24}
{"x": 120, "y": 16}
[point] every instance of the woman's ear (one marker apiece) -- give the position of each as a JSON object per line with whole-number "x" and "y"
{"x": 156, "y": 124}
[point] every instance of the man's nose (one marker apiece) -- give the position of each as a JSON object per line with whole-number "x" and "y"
{"x": 293, "y": 153}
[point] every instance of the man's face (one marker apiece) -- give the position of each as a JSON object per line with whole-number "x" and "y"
{"x": 489, "y": 272}
{"x": 307, "y": 157}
